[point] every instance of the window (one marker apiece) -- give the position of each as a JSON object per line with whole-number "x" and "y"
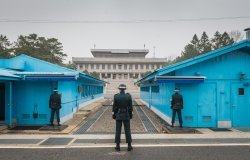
{"x": 114, "y": 66}
{"x": 141, "y": 66}
{"x": 136, "y": 66}
{"x": 145, "y": 89}
{"x": 92, "y": 66}
{"x": 80, "y": 66}
{"x": 241, "y": 91}
{"x": 147, "y": 66}
{"x": 86, "y": 66}
{"x": 125, "y": 66}
{"x": 155, "y": 89}
{"x": 152, "y": 66}
{"x": 97, "y": 66}
{"x": 108, "y": 66}
{"x": 120, "y": 66}
{"x": 103, "y": 66}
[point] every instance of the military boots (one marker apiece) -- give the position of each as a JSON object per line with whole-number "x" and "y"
{"x": 117, "y": 147}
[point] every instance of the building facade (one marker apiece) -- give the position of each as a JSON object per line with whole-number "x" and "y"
{"x": 119, "y": 63}
{"x": 215, "y": 87}
{"x": 26, "y": 84}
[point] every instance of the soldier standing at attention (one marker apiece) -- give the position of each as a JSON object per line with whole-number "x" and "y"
{"x": 176, "y": 106}
{"x": 122, "y": 112}
{"x": 55, "y": 105}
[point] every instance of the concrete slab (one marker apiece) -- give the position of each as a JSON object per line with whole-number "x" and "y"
{"x": 178, "y": 130}
{"x": 53, "y": 128}
{"x": 57, "y": 141}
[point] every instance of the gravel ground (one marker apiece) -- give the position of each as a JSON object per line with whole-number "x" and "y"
{"x": 105, "y": 124}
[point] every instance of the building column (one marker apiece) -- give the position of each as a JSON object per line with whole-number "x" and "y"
{"x": 100, "y": 76}
{"x": 139, "y": 76}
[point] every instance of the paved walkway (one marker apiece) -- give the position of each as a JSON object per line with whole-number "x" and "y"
{"x": 100, "y": 133}
{"x": 139, "y": 140}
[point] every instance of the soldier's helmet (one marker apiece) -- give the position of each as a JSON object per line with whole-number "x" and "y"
{"x": 122, "y": 87}
{"x": 176, "y": 90}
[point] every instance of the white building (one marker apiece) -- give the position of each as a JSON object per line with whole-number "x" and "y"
{"x": 119, "y": 63}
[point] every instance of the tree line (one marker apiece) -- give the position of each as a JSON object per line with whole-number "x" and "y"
{"x": 198, "y": 46}
{"x": 48, "y": 49}
{"x": 51, "y": 50}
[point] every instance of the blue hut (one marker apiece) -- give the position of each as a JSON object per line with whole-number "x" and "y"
{"x": 215, "y": 87}
{"x": 26, "y": 84}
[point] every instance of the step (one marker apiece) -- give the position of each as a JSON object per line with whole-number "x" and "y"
{"x": 3, "y": 127}
{"x": 81, "y": 114}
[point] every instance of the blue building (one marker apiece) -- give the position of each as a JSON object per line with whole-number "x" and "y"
{"x": 26, "y": 84}
{"x": 215, "y": 87}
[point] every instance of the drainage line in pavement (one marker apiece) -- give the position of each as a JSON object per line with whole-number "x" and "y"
{"x": 91, "y": 120}
{"x": 145, "y": 120}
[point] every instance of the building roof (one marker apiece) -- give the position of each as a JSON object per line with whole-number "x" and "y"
{"x": 243, "y": 45}
{"x": 37, "y": 69}
{"x": 7, "y": 75}
{"x": 119, "y": 52}
{"x": 119, "y": 60}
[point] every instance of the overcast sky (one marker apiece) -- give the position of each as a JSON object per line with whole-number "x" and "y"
{"x": 122, "y": 24}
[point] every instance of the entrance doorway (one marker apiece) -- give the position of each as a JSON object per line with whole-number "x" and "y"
{"x": 240, "y": 105}
{"x": 2, "y": 102}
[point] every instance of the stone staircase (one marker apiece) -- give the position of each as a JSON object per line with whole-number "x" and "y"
{"x": 112, "y": 88}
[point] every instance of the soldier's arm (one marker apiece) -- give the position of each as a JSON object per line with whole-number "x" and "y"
{"x": 114, "y": 109}
{"x": 50, "y": 102}
{"x": 181, "y": 101}
{"x": 60, "y": 100}
{"x": 172, "y": 102}
{"x": 130, "y": 107}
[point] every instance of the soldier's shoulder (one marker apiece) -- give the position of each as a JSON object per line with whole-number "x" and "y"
{"x": 117, "y": 94}
{"x": 128, "y": 94}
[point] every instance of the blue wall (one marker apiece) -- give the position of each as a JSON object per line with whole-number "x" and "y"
{"x": 28, "y": 96}
{"x": 214, "y": 103}
{"x": 23, "y": 97}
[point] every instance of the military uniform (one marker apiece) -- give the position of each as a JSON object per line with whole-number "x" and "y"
{"x": 122, "y": 112}
{"x": 55, "y": 105}
{"x": 177, "y": 106}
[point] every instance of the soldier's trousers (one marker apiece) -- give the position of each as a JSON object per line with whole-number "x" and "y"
{"x": 126, "y": 124}
{"x": 53, "y": 111}
{"x": 179, "y": 116}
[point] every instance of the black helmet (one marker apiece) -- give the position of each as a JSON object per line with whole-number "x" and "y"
{"x": 122, "y": 86}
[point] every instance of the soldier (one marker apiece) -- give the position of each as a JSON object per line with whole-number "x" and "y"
{"x": 122, "y": 112}
{"x": 55, "y": 105}
{"x": 176, "y": 106}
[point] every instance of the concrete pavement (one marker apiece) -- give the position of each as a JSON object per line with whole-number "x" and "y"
{"x": 105, "y": 138}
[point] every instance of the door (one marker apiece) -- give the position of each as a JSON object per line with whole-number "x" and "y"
{"x": 2, "y": 102}
{"x": 240, "y": 95}
{"x": 190, "y": 98}
{"x": 206, "y": 107}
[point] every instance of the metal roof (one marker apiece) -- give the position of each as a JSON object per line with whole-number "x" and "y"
{"x": 7, "y": 75}
{"x": 245, "y": 44}
{"x": 121, "y": 50}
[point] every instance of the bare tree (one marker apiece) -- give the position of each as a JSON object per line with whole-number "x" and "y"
{"x": 236, "y": 35}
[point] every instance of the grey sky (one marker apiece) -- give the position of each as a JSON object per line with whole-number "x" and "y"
{"x": 169, "y": 38}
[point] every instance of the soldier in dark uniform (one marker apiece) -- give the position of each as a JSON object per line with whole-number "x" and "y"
{"x": 177, "y": 106}
{"x": 122, "y": 112}
{"x": 55, "y": 105}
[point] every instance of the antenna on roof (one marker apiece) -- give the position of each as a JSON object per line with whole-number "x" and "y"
{"x": 154, "y": 52}
{"x": 94, "y": 46}
{"x": 144, "y": 46}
